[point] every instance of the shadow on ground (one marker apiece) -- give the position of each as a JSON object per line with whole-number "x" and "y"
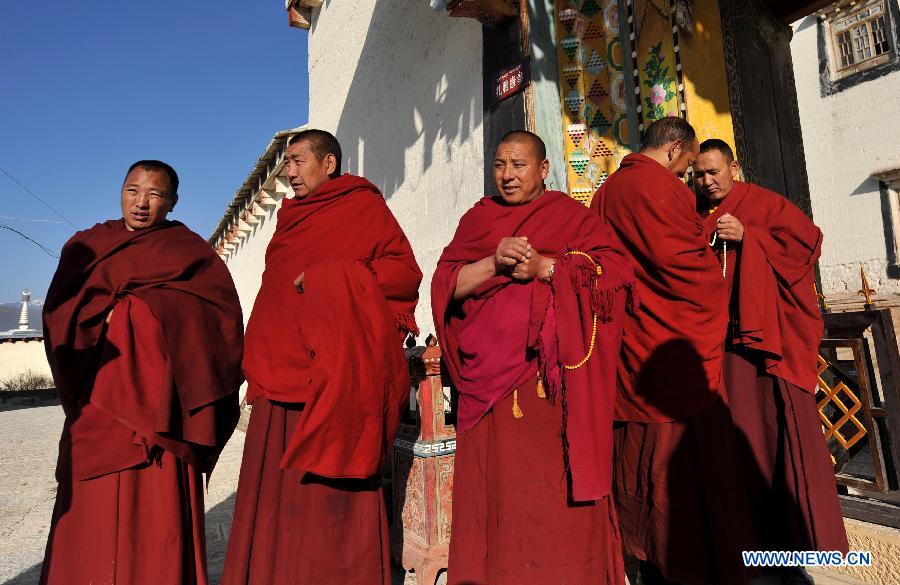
{"x": 218, "y": 527}
{"x": 29, "y": 577}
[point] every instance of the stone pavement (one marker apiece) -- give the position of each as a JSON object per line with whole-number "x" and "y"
{"x": 28, "y": 447}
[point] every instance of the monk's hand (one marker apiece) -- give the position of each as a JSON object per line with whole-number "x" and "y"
{"x": 510, "y": 252}
{"x": 109, "y": 315}
{"x": 730, "y": 228}
{"x": 298, "y": 282}
{"x": 531, "y": 268}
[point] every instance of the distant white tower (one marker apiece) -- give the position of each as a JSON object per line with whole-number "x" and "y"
{"x": 23, "y": 316}
{"x": 24, "y": 331}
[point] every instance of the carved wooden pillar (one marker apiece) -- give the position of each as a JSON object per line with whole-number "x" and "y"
{"x": 422, "y": 475}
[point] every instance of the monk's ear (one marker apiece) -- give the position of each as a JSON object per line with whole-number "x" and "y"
{"x": 679, "y": 144}
{"x": 330, "y": 164}
{"x": 174, "y": 201}
{"x": 735, "y": 168}
{"x": 545, "y": 169}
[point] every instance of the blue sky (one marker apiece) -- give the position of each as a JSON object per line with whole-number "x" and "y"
{"x": 87, "y": 88}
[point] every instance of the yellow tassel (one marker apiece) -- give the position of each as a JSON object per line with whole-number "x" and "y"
{"x": 540, "y": 387}
{"x": 517, "y": 412}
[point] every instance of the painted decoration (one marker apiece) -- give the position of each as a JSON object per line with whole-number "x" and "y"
{"x": 657, "y": 75}
{"x": 602, "y": 96}
{"x": 594, "y": 108}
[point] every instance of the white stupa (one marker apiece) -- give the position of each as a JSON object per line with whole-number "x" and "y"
{"x": 24, "y": 329}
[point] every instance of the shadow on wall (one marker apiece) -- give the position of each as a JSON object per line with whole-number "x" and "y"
{"x": 805, "y": 23}
{"x": 705, "y": 49}
{"x": 411, "y": 84}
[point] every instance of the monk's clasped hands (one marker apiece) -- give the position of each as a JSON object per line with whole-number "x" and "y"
{"x": 729, "y": 228}
{"x": 516, "y": 257}
{"x": 510, "y": 252}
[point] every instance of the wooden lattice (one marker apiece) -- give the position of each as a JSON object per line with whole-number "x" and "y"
{"x": 857, "y": 385}
{"x": 844, "y": 400}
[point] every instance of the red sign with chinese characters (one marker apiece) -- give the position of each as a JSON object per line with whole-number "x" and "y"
{"x": 511, "y": 81}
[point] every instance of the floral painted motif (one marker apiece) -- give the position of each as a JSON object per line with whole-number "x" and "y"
{"x": 660, "y": 82}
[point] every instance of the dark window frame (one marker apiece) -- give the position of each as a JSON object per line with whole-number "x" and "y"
{"x": 830, "y": 77}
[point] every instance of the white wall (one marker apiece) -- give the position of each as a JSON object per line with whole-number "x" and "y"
{"x": 20, "y": 355}
{"x": 248, "y": 260}
{"x": 400, "y": 86}
{"x": 847, "y": 136}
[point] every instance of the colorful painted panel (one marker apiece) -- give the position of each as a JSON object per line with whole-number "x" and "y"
{"x": 657, "y": 74}
{"x": 594, "y": 92}
{"x": 702, "y": 55}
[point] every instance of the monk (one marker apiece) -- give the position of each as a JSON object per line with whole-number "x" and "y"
{"x": 678, "y": 475}
{"x": 528, "y": 303}
{"x": 769, "y": 248}
{"x": 143, "y": 332}
{"x": 327, "y": 381}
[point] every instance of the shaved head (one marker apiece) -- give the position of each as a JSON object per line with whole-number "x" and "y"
{"x": 321, "y": 143}
{"x": 667, "y": 130}
{"x": 526, "y": 137}
{"x": 158, "y": 165}
{"x": 520, "y": 167}
{"x": 671, "y": 142}
{"x": 715, "y": 170}
{"x": 719, "y": 145}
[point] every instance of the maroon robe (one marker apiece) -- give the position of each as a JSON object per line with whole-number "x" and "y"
{"x": 770, "y": 371}
{"x": 678, "y": 475}
{"x": 327, "y": 382}
{"x": 531, "y": 498}
{"x": 150, "y": 400}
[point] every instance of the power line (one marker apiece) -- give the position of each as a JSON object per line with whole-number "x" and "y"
{"x": 27, "y": 219}
{"x": 46, "y": 250}
{"x": 33, "y": 194}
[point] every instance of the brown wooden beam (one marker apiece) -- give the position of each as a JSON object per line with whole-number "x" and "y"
{"x": 791, "y": 11}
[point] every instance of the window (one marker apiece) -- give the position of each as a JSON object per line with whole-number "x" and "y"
{"x": 860, "y": 37}
{"x": 889, "y": 181}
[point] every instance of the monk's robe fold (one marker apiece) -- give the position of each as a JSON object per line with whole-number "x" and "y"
{"x": 344, "y": 319}
{"x": 683, "y": 314}
{"x": 679, "y": 478}
{"x": 166, "y": 371}
{"x": 327, "y": 379}
{"x": 771, "y": 372}
{"x": 150, "y": 400}
{"x": 335, "y": 347}
{"x": 495, "y": 340}
{"x": 777, "y": 312}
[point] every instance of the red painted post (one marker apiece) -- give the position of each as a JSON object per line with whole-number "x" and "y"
{"x": 422, "y": 474}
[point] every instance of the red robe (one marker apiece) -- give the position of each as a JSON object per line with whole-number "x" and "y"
{"x": 327, "y": 380}
{"x": 683, "y": 317}
{"x": 513, "y": 474}
{"x": 770, "y": 371}
{"x": 150, "y": 400}
{"x": 678, "y": 478}
{"x": 776, "y": 310}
